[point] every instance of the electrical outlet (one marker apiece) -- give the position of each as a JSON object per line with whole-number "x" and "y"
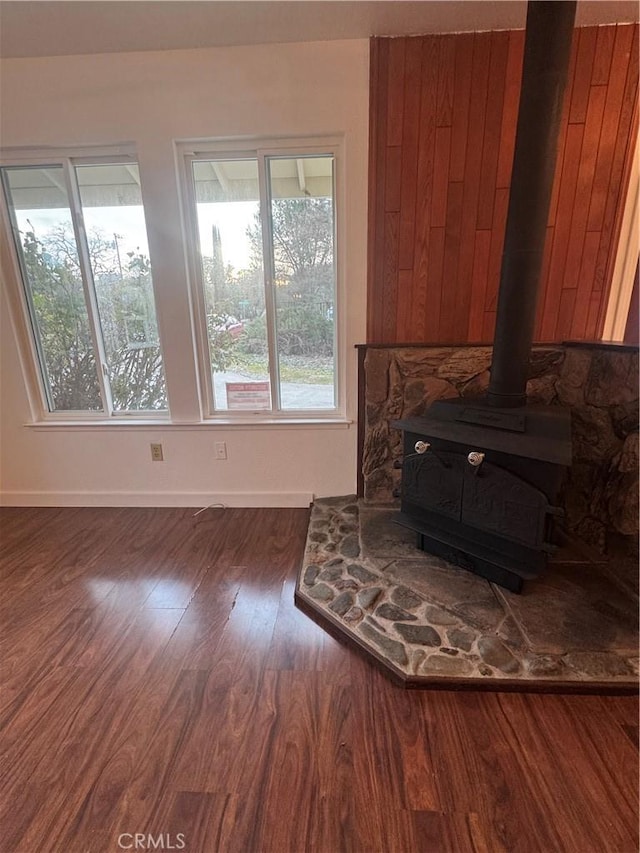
{"x": 156, "y": 453}
{"x": 221, "y": 450}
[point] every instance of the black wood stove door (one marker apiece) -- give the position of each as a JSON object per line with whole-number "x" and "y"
{"x": 498, "y": 501}
{"x": 434, "y": 482}
{"x": 487, "y": 497}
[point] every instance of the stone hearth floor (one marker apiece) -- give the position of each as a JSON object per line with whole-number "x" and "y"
{"x": 433, "y": 624}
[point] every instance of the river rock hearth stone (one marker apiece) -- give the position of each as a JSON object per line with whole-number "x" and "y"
{"x": 321, "y": 592}
{"x": 575, "y": 625}
{"x": 360, "y": 573}
{"x": 444, "y": 665}
{"x": 422, "y": 635}
{"x": 392, "y": 648}
{"x": 460, "y": 639}
{"x": 368, "y": 597}
{"x": 310, "y": 574}
{"x": 346, "y": 583}
{"x": 342, "y": 603}
{"x": 332, "y": 573}
{"x": 405, "y": 597}
{"x": 350, "y": 545}
{"x": 393, "y": 613}
{"x": 354, "y": 615}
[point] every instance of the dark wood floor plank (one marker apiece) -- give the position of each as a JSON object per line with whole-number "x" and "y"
{"x": 158, "y": 679}
{"x": 557, "y": 759}
{"x": 101, "y": 722}
{"x": 297, "y": 643}
{"x": 492, "y": 781}
{"x": 200, "y": 821}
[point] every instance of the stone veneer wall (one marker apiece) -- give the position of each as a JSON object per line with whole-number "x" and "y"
{"x": 598, "y": 383}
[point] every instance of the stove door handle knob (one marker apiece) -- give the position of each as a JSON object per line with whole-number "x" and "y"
{"x": 475, "y": 458}
{"x": 421, "y": 446}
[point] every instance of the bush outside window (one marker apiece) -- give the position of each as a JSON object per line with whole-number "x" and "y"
{"x": 80, "y": 237}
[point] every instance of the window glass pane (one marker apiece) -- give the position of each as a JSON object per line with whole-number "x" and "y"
{"x": 302, "y": 221}
{"x": 228, "y": 210}
{"x": 119, "y": 254}
{"x": 39, "y": 203}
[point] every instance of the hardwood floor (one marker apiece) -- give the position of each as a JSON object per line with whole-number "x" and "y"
{"x": 158, "y": 680}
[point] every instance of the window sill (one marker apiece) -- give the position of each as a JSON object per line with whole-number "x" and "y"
{"x": 122, "y": 424}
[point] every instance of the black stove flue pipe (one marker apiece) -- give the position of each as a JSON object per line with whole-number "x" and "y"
{"x": 544, "y": 76}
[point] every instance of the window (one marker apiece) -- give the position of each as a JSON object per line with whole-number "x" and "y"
{"x": 265, "y": 273}
{"x": 80, "y": 237}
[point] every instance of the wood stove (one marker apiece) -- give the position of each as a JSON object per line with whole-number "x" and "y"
{"x": 485, "y": 498}
{"x": 480, "y": 481}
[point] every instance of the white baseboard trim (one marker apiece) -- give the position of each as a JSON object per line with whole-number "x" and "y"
{"x": 155, "y": 499}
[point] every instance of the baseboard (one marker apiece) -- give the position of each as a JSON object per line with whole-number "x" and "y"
{"x": 152, "y": 499}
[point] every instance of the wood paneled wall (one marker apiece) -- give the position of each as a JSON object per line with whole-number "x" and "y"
{"x": 442, "y": 132}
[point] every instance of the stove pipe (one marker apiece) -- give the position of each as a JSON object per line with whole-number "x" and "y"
{"x": 544, "y": 75}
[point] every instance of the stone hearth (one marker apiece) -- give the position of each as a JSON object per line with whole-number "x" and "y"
{"x": 430, "y": 623}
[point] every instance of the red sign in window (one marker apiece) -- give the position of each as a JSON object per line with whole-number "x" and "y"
{"x": 248, "y": 395}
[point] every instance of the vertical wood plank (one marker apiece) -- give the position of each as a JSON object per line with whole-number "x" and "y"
{"x": 493, "y": 126}
{"x": 592, "y": 317}
{"x": 616, "y": 191}
{"x": 426, "y": 148}
{"x": 377, "y": 117}
{"x": 585, "y": 283}
{"x": 561, "y": 231}
{"x": 584, "y": 65}
{"x": 440, "y": 177}
{"x": 565, "y": 314}
{"x": 610, "y": 121}
{"x": 452, "y": 248}
{"x": 562, "y": 134}
{"x": 616, "y": 194}
{"x": 404, "y": 322}
{"x": 513, "y": 78}
{"x": 614, "y": 236}
{"x": 395, "y": 91}
{"x": 481, "y": 252}
{"x": 446, "y": 65}
{"x": 497, "y": 245}
{"x": 603, "y": 55}
{"x": 393, "y": 179}
{"x": 390, "y": 282}
{"x": 461, "y": 104}
{"x": 488, "y": 326}
{"x": 472, "y": 178}
{"x": 410, "y": 133}
{"x": 544, "y": 279}
{"x": 430, "y": 331}
{"x": 588, "y": 154}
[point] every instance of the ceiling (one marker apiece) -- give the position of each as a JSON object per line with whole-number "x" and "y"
{"x": 30, "y": 29}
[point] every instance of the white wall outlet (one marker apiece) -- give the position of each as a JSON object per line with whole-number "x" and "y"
{"x": 156, "y": 453}
{"x": 221, "y": 449}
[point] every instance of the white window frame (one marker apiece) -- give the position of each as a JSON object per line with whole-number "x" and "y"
{"x": 24, "y": 319}
{"x": 190, "y": 151}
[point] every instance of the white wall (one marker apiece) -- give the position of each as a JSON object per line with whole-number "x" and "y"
{"x": 152, "y": 99}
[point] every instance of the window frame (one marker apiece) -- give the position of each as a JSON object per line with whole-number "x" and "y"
{"x": 20, "y": 300}
{"x": 261, "y": 150}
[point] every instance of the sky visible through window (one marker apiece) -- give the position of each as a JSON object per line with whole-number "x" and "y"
{"x": 232, "y": 219}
